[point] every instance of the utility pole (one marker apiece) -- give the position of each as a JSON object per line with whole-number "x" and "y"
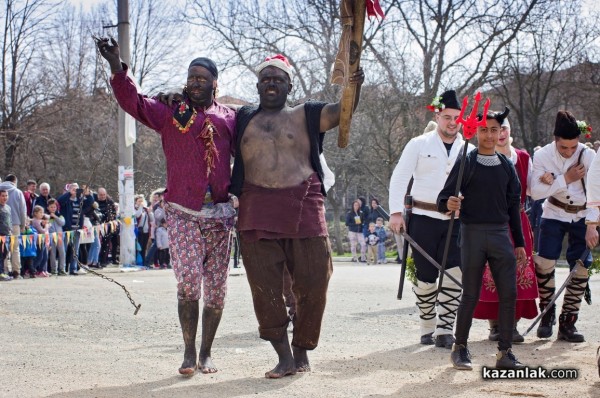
{"x": 126, "y": 129}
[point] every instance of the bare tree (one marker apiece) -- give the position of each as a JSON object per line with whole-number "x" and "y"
{"x": 69, "y": 55}
{"x": 459, "y": 42}
{"x": 23, "y": 24}
{"x": 157, "y": 40}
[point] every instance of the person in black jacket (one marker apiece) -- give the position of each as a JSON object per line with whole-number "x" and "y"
{"x": 109, "y": 213}
{"x": 355, "y": 220}
{"x": 489, "y": 205}
{"x": 73, "y": 205}
{"x": 376, "y": 211}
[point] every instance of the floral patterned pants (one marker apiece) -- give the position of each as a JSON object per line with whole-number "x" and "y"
{"x": 199, "y": 248}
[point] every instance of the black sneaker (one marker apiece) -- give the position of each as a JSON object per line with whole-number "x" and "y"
{"x": 494, "y": 334}
{"x": 461, "y": 357}
{"x": 505, "y": 359}
{"x": 444, "y": 340}
{"x": 427, "y": 339}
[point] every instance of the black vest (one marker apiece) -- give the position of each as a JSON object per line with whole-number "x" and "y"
{"x": 312, "y": 110}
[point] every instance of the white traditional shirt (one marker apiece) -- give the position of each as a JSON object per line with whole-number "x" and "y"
{"x": 548, "y": 159}
{"x": 593, "y": 182}
{"x": 426, "y": 159}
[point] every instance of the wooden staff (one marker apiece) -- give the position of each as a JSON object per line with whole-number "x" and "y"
{"x": 349, "y": 93}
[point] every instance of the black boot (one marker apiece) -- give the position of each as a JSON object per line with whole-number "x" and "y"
{"x": 444, "y": 340}
{"x": 544, "y": 331}
{"x": 546, "y": 290}
{"x": 571, "y": 303}
{"x": 427, "y": 339}
{"x": 567, "y": 330}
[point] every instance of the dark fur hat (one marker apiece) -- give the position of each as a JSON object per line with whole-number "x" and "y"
{"x": 499, "y": 116}
{"x": 566, "y": 126}
{"x": 450, "y": 100}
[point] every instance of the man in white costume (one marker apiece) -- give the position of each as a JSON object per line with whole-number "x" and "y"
{"x": 559, "y": 173}
{"x": 428, "y": 159}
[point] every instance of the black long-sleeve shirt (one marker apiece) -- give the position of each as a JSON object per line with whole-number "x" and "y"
{"x": 491, "y": 194}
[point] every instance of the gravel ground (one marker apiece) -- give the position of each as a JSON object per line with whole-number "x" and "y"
{"x": 77, "y": 337}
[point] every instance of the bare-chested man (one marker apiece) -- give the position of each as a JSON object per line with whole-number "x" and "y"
{"x": 279, "y": 179}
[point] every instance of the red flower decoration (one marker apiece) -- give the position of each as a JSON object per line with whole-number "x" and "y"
{"x": 589, "y": 128}
{"x": 431, "y": 108}
{"x": 588, "y": 136}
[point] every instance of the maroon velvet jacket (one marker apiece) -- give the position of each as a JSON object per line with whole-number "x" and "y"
{"x": 185, "y": 153}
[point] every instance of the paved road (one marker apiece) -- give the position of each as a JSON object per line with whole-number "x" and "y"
{"x": 72, "y": 337}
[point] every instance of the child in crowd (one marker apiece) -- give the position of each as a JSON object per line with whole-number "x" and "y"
{"x": 28, "y": 252}
{"x": 56, "y": 223}
{"x": 40, "y": 224}
{"x": 5, "y": 230}
{"x": 382, "y": 234}
{"x": 372, "y": 243}
{"x": 162, "y": 243}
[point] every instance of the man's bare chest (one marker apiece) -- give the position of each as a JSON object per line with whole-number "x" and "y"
{"x": 278, "y": 131}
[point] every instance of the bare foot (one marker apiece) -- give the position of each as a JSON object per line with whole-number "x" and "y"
{"x": 281, "y": 370}
{"x": 301, "y": 360}
{"x": 206, "y": 365}
{"x": 189, "y": 366}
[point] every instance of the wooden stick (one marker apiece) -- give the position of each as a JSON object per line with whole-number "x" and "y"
{"x": 347, "y": 101}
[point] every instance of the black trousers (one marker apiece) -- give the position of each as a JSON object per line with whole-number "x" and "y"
{"x": 164, "y": 257}
{"x": 143, "y": 238}
{"x": 430, "y": 233}
{"x": 481, "y": 243}
{"x": 104, "y": 247}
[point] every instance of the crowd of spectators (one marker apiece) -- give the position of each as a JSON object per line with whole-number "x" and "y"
{"x": 43, "y": 235}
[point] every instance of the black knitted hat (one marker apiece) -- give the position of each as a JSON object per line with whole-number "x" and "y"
{"x": 566, "y": 126}
{"x": 206, "y": 63}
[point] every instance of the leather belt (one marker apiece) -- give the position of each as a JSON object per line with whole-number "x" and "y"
{"x": 573, "y": 209}
{"x": 424, "y": 205}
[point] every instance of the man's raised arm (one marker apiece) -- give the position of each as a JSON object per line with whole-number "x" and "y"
{"x": 110, "y": 52}
{"x": 147, "y": 111}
